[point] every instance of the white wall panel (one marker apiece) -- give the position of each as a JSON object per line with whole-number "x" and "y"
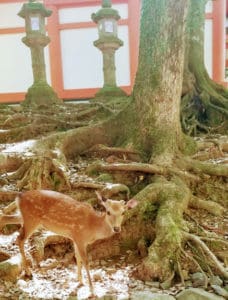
{"x": 208, "y": 46}
{"x": 83, "y": 14}
{"x": 47, "y": 64}
{"x": 123, "y": 58}
{"x": 15, "y": 64}
{"x": 82, "y": 62}
{"x": 9, "y": 17}
{"x": 209, "y": 6}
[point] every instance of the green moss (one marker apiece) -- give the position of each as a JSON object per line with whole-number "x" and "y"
{"x": 92, "y": 169}
{"x": 106, "y": 12}
{"x": 107, "y": 39}
{"x": 34, "y": 7}
{"x": 188, "y": 146}
{"x": 56, "y": 180}
{"x": 105, "y": 177}
{"x": 110, "y": 91}
{"x": 41, "y": 93}
{"x": 8, "y": 271}
{"x": 153, "y": 43}
{"x": 148, "y": 211}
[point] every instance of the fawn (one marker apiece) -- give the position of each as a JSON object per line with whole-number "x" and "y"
{"x": 65, "y": 216}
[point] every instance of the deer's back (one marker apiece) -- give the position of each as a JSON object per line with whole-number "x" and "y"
{"x": 53, "y": 207}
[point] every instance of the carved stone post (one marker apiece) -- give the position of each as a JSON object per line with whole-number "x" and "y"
{"x": 40, "y": 93}
{"x": 106, "y": 19}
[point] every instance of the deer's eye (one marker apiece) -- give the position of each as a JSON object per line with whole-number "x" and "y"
{"x": 108, "y": 213}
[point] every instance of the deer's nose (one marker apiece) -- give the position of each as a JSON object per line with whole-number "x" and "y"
{"x": 117, "y": 229}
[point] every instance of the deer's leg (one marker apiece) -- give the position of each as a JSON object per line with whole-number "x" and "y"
{"x": 79, "y": 263}
{"x": 84, "y": 258}
{"x": 25, "y": 233}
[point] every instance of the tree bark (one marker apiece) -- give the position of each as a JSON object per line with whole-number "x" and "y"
{"x": 204, "y": 102}
{"x": 158, "y": 85}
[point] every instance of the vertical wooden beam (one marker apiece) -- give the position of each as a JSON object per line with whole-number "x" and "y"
{"x": 219, "y": 43}
{"x": 55, "y": 51}
{"x": 134, "y": 7}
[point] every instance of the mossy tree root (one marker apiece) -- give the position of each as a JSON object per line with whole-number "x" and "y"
{"x": 169, "y": 199}
{"x": 202, "y": 168}
{"x": 42, "y": 173}
{"x": 164, "y": 255}
{"x": 162, "y": 259}
{"x": 103, "y": 151}
{"x": 210, "y": 206}
{"x": 80, "y": 140}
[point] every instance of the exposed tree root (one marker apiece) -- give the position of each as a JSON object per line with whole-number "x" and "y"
{"x": 10, "y": 208}
{"x": 161, "y": 259}
{"x": 9, "y": 163}
{"x": 29, "y": 124}
{"x": 107, "y": 190}
{"x": 7, "y": 196}
{"x": 79, "y": 140}
{"x": 41, "y": 172}
{"x": 164, "y": 195}
{"x": 210, "y": 206}
{"x": 213, "y": 259}
{"x": 132, "y": 167}
{"x": 160, "y": 265}
{"x": 41, "y": 240}
{"x": 191, "y": 258}
{"x": 199, "y": 167}
{"x": 143, "y": 168}
{"x": 10, "y": 269}
{"x": 27, "y": 132}
{"x": 104, "y": 151}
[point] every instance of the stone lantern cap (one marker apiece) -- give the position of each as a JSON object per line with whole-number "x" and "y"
{"x": 34, "y": 7}
{"x": 105, "y": 12}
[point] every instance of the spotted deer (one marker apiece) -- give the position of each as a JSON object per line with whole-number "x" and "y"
{"x": 67, "y": 217}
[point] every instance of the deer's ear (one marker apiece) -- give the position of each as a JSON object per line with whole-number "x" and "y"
{"x": 100, "y": 197}
{"x": 131, "y": 203}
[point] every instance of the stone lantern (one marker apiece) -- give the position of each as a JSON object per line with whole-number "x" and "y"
{"x": 106, "y": 19}
{"x": 40, "y": 93}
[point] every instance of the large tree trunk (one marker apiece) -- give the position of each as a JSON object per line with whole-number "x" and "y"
{"x": 157, "y": 93}
{"x": 159, "y": 78}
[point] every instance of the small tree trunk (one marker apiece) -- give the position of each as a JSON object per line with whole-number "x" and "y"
{"x": 205, "y": 102}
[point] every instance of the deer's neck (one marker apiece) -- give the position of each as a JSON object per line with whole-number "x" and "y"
{"x": 104, "y": 228}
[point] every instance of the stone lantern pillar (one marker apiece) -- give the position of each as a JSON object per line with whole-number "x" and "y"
{"x": 106, "y": 19}
{"x": 40, "y": 93}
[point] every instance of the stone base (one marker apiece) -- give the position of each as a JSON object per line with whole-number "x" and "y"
{"x": 110, "y": 91}
{"x": 39, "y": 94}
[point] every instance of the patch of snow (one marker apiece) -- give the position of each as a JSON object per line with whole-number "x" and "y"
{"x": 19, "y": 147}
{"x": 15, "y": 260}
{"x": 8, "y": 239}
{"x": 4, "y": 130}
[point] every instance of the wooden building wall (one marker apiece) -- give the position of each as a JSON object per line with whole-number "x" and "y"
{"x": 73, "y": 64}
